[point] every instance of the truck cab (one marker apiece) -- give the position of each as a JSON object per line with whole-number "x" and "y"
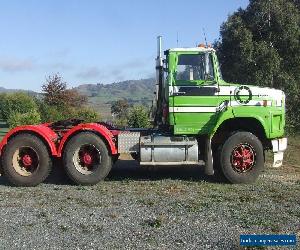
{"x": 199, "y": 100}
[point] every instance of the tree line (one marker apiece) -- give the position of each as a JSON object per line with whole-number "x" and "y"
{"x": 57, "y": 102}
{"x": 124, "y": 114}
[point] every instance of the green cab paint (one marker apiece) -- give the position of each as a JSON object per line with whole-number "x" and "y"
{"x": 199, "y": 103}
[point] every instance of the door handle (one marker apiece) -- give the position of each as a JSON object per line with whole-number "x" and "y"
{"x": 179, "y": 93}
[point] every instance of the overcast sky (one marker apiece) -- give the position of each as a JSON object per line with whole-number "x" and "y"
{"x": 96, "y": 41}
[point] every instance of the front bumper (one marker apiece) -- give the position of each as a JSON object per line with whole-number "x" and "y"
{"x": 279, "y": 146}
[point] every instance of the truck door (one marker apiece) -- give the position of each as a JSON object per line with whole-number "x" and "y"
{"x": 193, "y": 95}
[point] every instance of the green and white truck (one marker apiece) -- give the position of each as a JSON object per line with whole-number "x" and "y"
{"x": 198, "y": 118}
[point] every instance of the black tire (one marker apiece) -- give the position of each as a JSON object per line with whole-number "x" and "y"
{"x": 115, "y": 158}
{"x": 77, "y": 169}
{"x": 242, "y": 158}
{"x": 218, "y": 173}
{"x": 135, "y": 156}
{"x": 26, "y": 172}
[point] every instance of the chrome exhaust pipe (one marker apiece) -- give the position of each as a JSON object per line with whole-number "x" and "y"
{"x": 159, "y": 46}
{"x": 159, "y": 65}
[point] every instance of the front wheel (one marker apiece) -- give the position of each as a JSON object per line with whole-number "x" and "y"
{"x": 242, "y": 158}
{"x": 86, "y": 159}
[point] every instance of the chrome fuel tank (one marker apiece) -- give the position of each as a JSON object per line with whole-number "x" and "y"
{"x": 165, "y": 150}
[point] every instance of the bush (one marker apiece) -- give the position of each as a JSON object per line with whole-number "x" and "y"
{"x": 138, "y": 117}
{"x": 56, "y": 113}
{"x": 16, "y": 103}
{"x": 121, "y": 122}
{"x": 2, "y": 101}
{"x": 17, "y": 119}
{"x": 60, "y": 103}
{"x": 120, "y": 109}
{"x": 49, "y": 113}
{"x": 87, "y": 114}
{"x": 21, "y": 109}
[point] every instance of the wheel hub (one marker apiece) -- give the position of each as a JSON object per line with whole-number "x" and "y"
{"x": 243, "y": 158}
{"x": 27, "y": 160}
{"x": 87, "y": 158}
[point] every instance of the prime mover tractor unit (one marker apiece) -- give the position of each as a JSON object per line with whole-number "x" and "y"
{"x": 197, "y": 117}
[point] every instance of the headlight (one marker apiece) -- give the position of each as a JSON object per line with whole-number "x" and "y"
{"x": 279, "y": 102}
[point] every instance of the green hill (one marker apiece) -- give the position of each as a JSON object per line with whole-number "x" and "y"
{"x": 101, "y": 96}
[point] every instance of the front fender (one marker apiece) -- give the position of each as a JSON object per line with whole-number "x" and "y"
{"x": 259, "y": 113}
{"x": 232, "y": 113}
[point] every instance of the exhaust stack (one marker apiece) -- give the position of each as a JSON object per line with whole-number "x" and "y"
{"x": 159, "y": 65}
{"x": 159, "y": 41}
{"x": 160, "y": 88}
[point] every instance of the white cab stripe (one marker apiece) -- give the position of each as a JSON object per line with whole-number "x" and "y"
{"x": 252, "y": 103}
{"x": 275, "y": 94}
{"x": 192, "y": 109}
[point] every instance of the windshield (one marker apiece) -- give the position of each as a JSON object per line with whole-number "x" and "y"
{"x": 195, "y": 67}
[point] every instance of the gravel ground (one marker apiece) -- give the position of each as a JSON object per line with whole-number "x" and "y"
{"x": 165, "y": 208}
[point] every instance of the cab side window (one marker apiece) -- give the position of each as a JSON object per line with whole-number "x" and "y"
{"x": 195, "y": 67}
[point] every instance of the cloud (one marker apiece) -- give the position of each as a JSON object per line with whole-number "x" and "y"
{"x": 105, "y": 74}
{"x": 62, "y": 53}
{"x": 138, "y": 63}
{"x": 150, "y": 75}
{"x": 119, "y": 72}
{"x": 60, "y": 66}
{"x": 15, "y": 65}
{"x": 88, "y": 73}
{"x": 116, "y": 72}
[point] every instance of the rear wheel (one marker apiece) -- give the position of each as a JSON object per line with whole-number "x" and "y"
{"x": 242, "y": 158}
{"x": 26, "y": 160}
{"x": 86, "y": 159}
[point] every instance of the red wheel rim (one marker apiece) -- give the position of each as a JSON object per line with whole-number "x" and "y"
{"x": 243, "y": 158}
{"x": 25, "y": 161}
{"x": 86, "y": 159}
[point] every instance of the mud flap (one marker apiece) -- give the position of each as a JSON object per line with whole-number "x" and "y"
{"x": 279, "y": 146}
{"x": 277, "y": 159}
{"x": 209, "y": 166}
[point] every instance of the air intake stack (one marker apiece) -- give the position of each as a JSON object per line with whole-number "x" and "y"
{"x": 159, "y": 83}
